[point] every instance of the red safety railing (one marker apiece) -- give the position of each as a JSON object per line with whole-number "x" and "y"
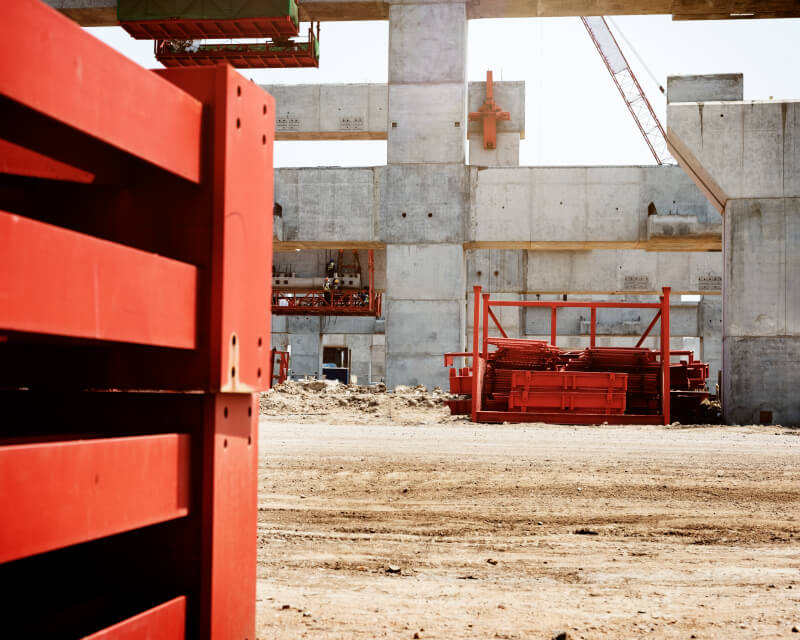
{"x": 132, "y": 239}
{"x": 328, "y": 303}
{"x": 281, "y": 358}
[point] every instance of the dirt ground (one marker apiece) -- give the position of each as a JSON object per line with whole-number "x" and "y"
{"x": 396, "y": 520}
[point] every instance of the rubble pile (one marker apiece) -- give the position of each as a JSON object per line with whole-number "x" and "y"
{"x": 312, "y": 400}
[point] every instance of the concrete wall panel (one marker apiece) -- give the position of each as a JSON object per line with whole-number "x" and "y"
{"x": 762, "y": 268}
{"x": 426, "y": 123}
{"x": 761, "y": 375}
{"x": 425, "y": 272}
{"x": 424, "y": 327}
{"x": 705, "y": 88}
{"x": 622, "y": 271}
{"x": 419, "y": 190}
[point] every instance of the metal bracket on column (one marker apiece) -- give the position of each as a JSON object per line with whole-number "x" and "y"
{"x": 489, "y": 113}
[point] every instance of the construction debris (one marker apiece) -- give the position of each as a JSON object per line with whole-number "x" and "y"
{"x": 315, "y": 400}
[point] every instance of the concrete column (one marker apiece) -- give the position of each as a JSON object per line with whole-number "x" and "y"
{"x": 746, "y": 157}
{"x": 710, "y": 325}
{"x": 425, "y": 190}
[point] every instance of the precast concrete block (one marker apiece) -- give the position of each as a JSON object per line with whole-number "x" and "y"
{"x": 676, "y": 226}
{"x": 297, "y": 107}
{"x": 500, "y": 205}
{"x": 496, "y": 270}
{"x": 710, "y": 327}
{"x": 303, "y": 324}
{"x": 333, "y": 205}
{"x": 330, "y": 111}
{"x": 762, "y": 267}
{"x": 761, "y": 376}
{"x": 424, "y": 327}
{"x": 279, "y": 341}
{"x": 349, "y": 108}
{"x": 424, "y": 203}
{"x": 408, "y": 369}
{"x": 716, "y": 87}
{"x": 622, "y": 271}
{"x": 426, "y": 123}
{"x": 348, "y": 325}
{"x": 425, "y": 272}
{"x": 428, "y": 43}
{"x": 505, "y": 153}
{"x": 619, "y": 322}
{"x": 667, "y": 190}
{"x": 279, "y": 324}
{"x": 738, "y": 149}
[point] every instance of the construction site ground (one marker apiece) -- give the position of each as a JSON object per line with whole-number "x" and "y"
{"x": 382, "y": 516}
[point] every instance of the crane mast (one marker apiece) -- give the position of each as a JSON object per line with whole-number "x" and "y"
{"x": 629, "y": 87}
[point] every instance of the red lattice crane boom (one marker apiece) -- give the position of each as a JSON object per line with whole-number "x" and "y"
{"x": 629, "y": 87}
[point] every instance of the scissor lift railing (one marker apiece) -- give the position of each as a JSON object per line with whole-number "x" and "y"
{"x": 132, "y": 238}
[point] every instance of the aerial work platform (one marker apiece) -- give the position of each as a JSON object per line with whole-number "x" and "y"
{"x": 278, "y": 54}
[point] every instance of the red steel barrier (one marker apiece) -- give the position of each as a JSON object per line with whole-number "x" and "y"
{"x": 135, "y": 229}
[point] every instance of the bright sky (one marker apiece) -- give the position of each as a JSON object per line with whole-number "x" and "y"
{"x": 574, "y": 113}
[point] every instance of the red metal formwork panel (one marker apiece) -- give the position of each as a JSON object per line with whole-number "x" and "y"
{"x": 59, "y": 282}
{"x": 18, "y": 160}
{"x": 50, "y": 66}
{"x": 239, "y": 190}
{"x": 544, "y": 380}
{"x": 61, "y": 493}
{"x": 164, "y": 622}
{"x": 568, "y": 401}
{"x": 567, "y": 417}
{"x": 230, "y": 510}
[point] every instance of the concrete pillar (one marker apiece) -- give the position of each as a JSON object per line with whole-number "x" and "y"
{"x": 746, "y": 157}
{"x": 425, "y": 190}
{"x": 710, "y": 326}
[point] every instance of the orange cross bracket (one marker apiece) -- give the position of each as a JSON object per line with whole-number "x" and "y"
{"x": 490, "y": 113}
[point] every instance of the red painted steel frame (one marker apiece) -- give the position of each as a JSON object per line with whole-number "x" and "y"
{"x": 61, "y": 493}
{"x": 60, "y": 282}
{"x": 480, "y": 353}
{"x": 50, "y": 65}
{"x": 240, "y": 191}
{"x": 165, "y": 622}
{"x": 489, "y": 113}
{"x": 199, "y": 140}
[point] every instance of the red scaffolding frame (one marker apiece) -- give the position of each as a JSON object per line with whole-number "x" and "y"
{"x": 480, "y": 355}
{"x": 132, "y": 238}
